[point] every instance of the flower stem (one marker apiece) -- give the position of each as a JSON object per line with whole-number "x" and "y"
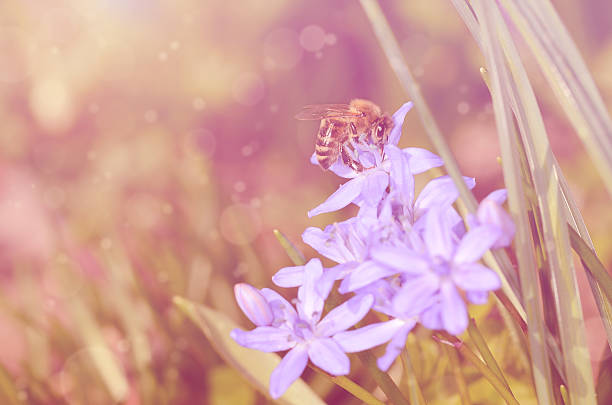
{"x": 486, "y": 354}
{"x": 459, "y": 379}
{"x": 414, "y": 391}
{"x": 350, "y": 386}
{"x": 468, "y": 354}
{"x": 383, "y": 380}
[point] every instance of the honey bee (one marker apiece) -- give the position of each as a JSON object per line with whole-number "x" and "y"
{"x": 341, "y": 124}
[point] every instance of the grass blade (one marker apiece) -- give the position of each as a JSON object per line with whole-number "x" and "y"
{"x": 414, "y": 391}
{"x": 446, "y": 339}
{"x": 486, "y": 354}
{"x": 592, "y": 263}
{"x": 524, "y": 244}
{"x": 554, "y": 231}
{"x": 383, "y": 380}
{"x": 457, "y": 374}
{"x": 568, "y": 76}
{"x": 294, "y": 254}
{"x": 350, "y": 386}
{"x": 255, "y": 366}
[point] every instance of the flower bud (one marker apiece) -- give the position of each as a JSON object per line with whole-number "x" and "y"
{"x": 253, "y": 304}
{"x": 491, "y": 213}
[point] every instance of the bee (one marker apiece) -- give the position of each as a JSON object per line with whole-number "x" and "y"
{"x": 361, "y": 121}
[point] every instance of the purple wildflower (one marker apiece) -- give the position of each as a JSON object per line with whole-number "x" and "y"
{"x": 303, "y": 332}
{"x": 440, "y": 264}
{"x": 490, "y": 212}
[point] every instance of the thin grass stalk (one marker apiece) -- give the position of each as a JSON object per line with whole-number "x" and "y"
{"x": 350, "y": 386}
{"x": 577, "y": 225}
{"x": 571, "y": 211}
{"x": 414, "y": 390}
{"x": 487, "y": 373}
{"x": 568, "y": 76}
{"x": 294, "y": 254}
{"x": 554, "y": 233}
{"x": 457, "y": 374}
{"x": 485, "y": 352}
{"x": 394, "y": 55}
{"x": 592, "y": 263}
{"x": 383, "y": 380}
{"x": 524, "y": 245}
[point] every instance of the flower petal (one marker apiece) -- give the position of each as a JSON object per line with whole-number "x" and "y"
{"x": 265, "y": 338}
{"x": 475, "y": 243}
{"x": 439, "y": 191}
{"x": 401, "y": 176}
{"x": 288, "y": 277}
{"x": 476, "y": 277}
{"x": 422, "y": 160}
{"x": 346, "y": 315}
{"x": 431, "y": 318}
{"x": 281, "y": 308}
{"x": 395, "y": 346}
{"x": 398, "y": 120}
{"x": 323, "y": 242}
{"x": 416, "y": 295}
{"x": 477, "y": 297}
{"x": 310, "y": 302}
{"x": 363, "y": 275}
{"x": 329, "y": 356}
{"x": 346, "y": 194}
{"x": 438, "y": 234}
{"x": 369, "y": 336}
{"x": 289, "y": 369}
{"x": 454, "y": 311}
{"x": 498, "y": 196}
{"x": 253, "y": 304}
{"x": 491, "y": 213}
{"x": 374, "y": 186}
{"x": 400, "y": 258}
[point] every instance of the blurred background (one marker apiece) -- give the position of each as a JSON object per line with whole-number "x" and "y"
{"x": 148, "y": 149}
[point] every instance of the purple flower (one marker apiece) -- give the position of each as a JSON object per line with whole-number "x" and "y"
{"x": 490, "y": 212}
{"x": 303, "y": 332}
{"x": 395, "y": 331}
{"x": 437, "y": 266}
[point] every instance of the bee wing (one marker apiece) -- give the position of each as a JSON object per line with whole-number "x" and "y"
{"x": 322, "y": 111}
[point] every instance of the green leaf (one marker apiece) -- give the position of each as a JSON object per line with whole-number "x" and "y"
{"x": 294, "y": 254}
{"x": 254, "y": 365}
{"x": 518, "y": 206}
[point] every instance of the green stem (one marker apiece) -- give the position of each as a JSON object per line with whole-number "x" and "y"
{"x": 487, "y": 373}
{"x": 383, "y": 380}
{"x": 350, "y": 386}
{"x": 486, "y": 354}
{"x": 414, "y": 391}
{"x": 592, "y": 263}
{"x": 459, "y": 379}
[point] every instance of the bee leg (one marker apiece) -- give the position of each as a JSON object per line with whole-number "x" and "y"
{"x": 348, "y": 160}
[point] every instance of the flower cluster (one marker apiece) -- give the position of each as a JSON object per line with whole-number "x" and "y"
{"x": 408, "y": 257}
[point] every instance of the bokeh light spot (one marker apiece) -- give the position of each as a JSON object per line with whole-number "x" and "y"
{"x": 52, "y": 105}
{"x": 198, "y": 103}
{"x": 240, "y": 224}
{"x": 331, "y": 39}
{"x": 463, "y": 107}
{"x": 150, "y": 116}
{"x": 312, "y": 38}
{"x": 282, "y": 49}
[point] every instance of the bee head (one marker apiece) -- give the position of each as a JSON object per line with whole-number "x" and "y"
{"x": 382, "y": 129}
